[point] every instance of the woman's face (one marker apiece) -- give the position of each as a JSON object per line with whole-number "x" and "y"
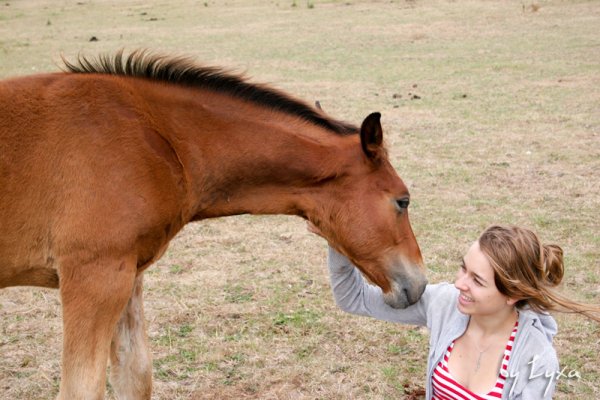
{"x": 475, "y": 280}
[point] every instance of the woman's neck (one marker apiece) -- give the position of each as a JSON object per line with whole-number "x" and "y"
{"x": 489, "y": 325}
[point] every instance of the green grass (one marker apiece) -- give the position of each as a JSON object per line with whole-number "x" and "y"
{"x": 506, "y": 129}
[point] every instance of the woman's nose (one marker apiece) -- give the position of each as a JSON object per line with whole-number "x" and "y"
{"x": 460, "y": 283}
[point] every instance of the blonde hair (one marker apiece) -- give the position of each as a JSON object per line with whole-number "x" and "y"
{"x": 528, "y": 270}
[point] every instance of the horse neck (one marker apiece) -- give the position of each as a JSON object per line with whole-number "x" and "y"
{"x": 240, "y": 158}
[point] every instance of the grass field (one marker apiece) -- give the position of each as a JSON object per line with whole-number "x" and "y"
{"x": 492, "y": 114}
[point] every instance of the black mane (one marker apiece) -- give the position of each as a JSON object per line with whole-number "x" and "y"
{"x": 184, "y": 71}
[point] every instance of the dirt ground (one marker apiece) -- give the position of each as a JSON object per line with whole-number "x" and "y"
{"x": 491, "y": 114}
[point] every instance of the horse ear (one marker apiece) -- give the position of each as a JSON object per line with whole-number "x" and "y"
{"x": 371, "y": 135}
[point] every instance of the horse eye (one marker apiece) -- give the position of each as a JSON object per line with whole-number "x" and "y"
{"x": 402, "y": 204}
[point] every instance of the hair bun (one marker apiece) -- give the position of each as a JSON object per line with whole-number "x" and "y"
{"x": 553, "y": 264}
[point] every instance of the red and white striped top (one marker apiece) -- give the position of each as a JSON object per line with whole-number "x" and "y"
{"x": 445, "y": 387}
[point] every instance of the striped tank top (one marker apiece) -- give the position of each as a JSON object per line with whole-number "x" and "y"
{"x": 445, "y": 387}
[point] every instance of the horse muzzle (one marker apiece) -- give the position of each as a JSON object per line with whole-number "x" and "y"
{"x": 406, "y": 289}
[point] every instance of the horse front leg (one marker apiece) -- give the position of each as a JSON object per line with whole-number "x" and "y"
{"x": 93, "y": 296}
{"x": 130, "y": 360}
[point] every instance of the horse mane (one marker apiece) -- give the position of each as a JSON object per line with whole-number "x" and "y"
{"x": 184, "y": 71}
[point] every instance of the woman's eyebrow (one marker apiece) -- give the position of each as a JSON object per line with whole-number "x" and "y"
{"x": 473, "y": 273}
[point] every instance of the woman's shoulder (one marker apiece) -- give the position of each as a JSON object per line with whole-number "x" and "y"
{"x": 440, "y": 300}
{"x": 540, "y": 328}
{"x": 536, "y": 349}
{"x": 534, "y": 341}
{"x": 534, "y": 363}
{"x": 444, "y": 320}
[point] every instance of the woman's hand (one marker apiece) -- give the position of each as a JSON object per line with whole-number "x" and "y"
{"x": 312, "y": 228}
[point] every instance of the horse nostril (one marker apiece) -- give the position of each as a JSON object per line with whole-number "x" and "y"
{"x": 407, "y": 295}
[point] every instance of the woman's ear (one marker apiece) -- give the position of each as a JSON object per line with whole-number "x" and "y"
{"x": 511, "y": 302}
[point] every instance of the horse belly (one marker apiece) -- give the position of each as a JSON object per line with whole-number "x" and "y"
{"x": 31, "y": 276}
{"x": 26, "y": 260}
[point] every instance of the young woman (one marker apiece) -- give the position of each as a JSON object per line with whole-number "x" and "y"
{"x": 491, "y": 335}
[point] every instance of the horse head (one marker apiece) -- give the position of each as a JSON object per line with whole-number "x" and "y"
{"x": 363, "y": 213}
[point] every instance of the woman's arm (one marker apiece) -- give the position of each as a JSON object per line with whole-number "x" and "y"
{"x": 354, "y": 295}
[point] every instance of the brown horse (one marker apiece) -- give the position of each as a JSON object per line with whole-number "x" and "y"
{"x": 100, "y": 167}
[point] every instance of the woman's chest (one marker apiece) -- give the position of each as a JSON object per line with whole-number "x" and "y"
{"x": 477, "y": 369}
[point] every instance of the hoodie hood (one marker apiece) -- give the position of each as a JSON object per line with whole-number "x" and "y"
{"x": 544, "y": 323}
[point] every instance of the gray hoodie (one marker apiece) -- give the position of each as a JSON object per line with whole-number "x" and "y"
{"x": 533, "y": 365}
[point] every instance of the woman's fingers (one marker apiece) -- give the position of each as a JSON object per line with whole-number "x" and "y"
{"x": 313, "y": 229}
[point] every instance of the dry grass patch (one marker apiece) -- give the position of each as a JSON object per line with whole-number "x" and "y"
{"x": 506, "y": 127}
